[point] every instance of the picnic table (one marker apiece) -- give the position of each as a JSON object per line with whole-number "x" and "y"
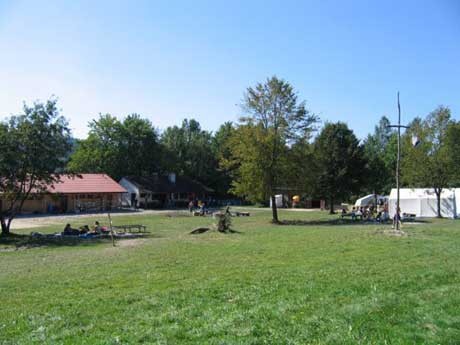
{"x": 241, "y": 214}
{"x": 359, "y": 215}
{"x": 130, "y": 228}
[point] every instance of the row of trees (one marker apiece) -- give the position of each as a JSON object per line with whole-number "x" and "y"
{"x": 135, "y": 147}
{"x": 271, "y": 150}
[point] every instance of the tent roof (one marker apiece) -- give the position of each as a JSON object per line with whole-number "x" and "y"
{"x": 418, "y": 193}
{"x": 365, "y": 200}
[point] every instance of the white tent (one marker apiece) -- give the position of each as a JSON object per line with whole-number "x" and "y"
{"x": 370, "y": 199}
{"x": 279, "y": 200}
{"x": 423, "y": 202}
{"x": 457, "y": 202}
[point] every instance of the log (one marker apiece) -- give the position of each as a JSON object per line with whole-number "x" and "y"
{"x": 199, "y": 231}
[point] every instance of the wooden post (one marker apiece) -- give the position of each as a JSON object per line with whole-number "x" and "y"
{"x": 111, "y": 229}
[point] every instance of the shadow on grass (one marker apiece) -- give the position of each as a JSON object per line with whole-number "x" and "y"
{"x": 232, "y": 231}
{"x": 19, "y": 241}
{"x": 199, "y": 231}
{"x": 338, "y": 222}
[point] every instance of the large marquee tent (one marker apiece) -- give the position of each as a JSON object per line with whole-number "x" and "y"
{"x": 423, "y": 202}
{"x": 370, "y": 200}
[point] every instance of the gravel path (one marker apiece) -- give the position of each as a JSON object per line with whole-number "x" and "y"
{"x": 30, "y": 222}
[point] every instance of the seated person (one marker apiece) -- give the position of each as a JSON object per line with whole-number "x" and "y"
{"x": 191, "y": 206}
{"x": 203, "y": 209}
{"x": 84, "y": 229}
{"x": 97, "y": 227}
{"x": 68, "y": 231}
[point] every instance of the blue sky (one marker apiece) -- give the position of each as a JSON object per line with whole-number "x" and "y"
{"x": 170, "y": 60}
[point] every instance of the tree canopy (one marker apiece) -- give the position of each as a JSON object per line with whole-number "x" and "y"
{"x": 34, "y": 145}
{"x": 380, "y": 155}
{"x": 429, "y": 165}
{"x": 339, "y": 163}
{"x": 274, "y": 119}
{"x": 188, "y": 151}
{"x": 118, "y": 148}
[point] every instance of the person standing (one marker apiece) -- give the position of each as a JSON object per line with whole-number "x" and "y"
{"x": 397, "y": 219}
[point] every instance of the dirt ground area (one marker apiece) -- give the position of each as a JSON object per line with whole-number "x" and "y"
{"x": 30, "y": 222}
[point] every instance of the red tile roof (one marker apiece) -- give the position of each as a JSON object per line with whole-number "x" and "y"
{"x": 86, "y": 183}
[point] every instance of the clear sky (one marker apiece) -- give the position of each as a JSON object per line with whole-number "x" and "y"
{"x": 170, "y": 60}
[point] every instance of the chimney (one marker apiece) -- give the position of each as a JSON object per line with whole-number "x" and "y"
{"x": 172, "y": 178}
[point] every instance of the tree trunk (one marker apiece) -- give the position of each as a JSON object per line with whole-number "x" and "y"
{"x": 5, "y": 227}
{"x": 274, "y": 210}
{"x": 438, "y": 199}
{"x": 331, "y": 205}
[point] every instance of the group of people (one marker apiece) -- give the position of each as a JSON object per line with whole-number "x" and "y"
{"x": 96, "y": 229}
{"x": 201, "y": 205}
{"x": 370, "y": 213}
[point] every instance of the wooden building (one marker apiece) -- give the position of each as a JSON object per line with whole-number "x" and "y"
{"x": 159, "y": 191}
{"x": 75, "y": 194}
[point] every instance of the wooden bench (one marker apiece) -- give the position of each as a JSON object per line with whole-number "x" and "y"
{"x": 130, "y": 228}
{"x": 242, "y": 214}
{"x": 343, "y": 215}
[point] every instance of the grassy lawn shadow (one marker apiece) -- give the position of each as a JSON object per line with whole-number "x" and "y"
{"x": 337, "y": 222}
{"x": 23, "y": 241}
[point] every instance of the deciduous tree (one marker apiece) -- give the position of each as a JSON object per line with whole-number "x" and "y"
{"x": 188, "y": 151}
{"x": 339, "y": 163}
{"x": 275, "y": 118}
{"x": 380, "y": 157}
{"x": 429, "y": 165}
{"x": 34, "y": 145}
{"x": 118, "y": 148}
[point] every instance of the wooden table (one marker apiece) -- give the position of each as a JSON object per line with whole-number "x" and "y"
{"x": 130, "y": 228}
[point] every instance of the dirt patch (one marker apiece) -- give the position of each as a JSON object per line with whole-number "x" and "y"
{"x": 130, "y": 243}
{"x": 30, "y": 222}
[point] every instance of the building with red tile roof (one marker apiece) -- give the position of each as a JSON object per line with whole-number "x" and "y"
{"x": 75, "y": 194}
{"x": 86, "y": 183}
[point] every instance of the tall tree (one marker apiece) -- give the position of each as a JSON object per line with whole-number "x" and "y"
{"x": 274, "y": 119}
{"x": 380, "y": 164}
{"x": 139, "y": 147}
{"x": 188, "y": 151}
{"x": 221, "y": 148}
{"x": 34, "y": 146}
{"x": 453, "y": 158}
{"x": 301, "y": 175}
{"x": 339, "y": 163}
{"x": 118, "y": 148}
{"x": 428, "y": 164}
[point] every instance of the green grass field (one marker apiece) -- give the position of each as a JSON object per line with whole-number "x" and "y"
{"x": 315, "y": 282}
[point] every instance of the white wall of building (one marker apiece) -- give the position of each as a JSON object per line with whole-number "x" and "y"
{"x": 132, "y": 189}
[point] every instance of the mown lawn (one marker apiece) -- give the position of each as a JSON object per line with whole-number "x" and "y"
{"x": 315, "y": 282}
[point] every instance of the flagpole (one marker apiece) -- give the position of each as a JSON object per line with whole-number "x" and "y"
{"x": 398, "y": 167}
{"x": 398, "y": 171}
